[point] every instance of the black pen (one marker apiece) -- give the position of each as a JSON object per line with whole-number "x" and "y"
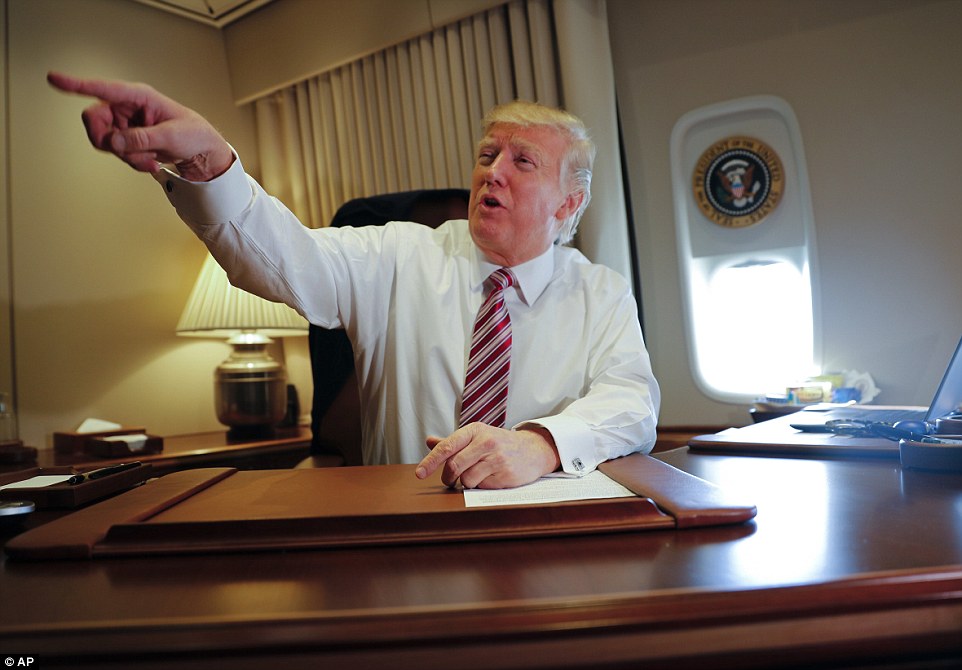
{"x": 103, "y": 472}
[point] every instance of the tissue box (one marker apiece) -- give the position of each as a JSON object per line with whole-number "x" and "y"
{"x": 76, "y": 443}
{"x": 118, "y": 446}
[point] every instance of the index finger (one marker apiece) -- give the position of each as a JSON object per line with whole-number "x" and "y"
{"x": 106, "y": 90}
{"x": 442, "y": 451}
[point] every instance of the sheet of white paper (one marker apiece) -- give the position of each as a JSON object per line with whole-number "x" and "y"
{"x": 37, "y": 482}
{"x": 549, "y": 489}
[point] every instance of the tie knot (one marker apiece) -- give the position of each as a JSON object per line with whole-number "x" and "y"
{"x": 501, "y": 279}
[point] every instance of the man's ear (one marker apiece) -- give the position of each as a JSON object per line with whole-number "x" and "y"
{"x": 570, "y": 205}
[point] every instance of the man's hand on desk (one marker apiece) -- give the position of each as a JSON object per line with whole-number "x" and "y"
{"x": 485, "y": 457}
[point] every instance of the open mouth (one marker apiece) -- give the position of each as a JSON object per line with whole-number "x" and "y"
{"x": 490, "y": 201}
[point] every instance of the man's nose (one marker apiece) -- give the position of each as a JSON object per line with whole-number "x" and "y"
{"x": 494, "y": 172}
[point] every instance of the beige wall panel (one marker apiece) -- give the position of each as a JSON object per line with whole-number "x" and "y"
{"x": 6, "y": 344}
{"x": 101, "y": 265}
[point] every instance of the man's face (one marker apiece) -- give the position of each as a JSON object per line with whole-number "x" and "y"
{"x": 517, "y": 203}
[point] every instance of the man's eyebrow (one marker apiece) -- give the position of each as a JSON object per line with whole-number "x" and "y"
{"x": 529, "y": 148}
{"x": 517, "y": 144}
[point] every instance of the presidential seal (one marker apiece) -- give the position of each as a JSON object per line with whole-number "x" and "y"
{"x": 738, "y": 181}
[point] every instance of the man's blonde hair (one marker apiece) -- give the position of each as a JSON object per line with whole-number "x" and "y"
{"x": 579, "y": 157}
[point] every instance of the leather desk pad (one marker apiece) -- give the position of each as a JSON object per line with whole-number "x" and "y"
{"x": 222, "y": 509}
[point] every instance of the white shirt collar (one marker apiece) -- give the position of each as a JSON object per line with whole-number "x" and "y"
{"x": 532, "y": 276}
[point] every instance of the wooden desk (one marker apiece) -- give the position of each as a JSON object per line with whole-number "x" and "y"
{"x": 848, "y": 563}
{"x": 673, "y": 437}
{"x": 285, "y": 449}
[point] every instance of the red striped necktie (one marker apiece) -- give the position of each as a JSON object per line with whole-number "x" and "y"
{"x": 485, "y": 397}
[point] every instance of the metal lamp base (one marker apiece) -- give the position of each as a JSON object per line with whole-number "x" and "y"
{"x": 250, "y": 388}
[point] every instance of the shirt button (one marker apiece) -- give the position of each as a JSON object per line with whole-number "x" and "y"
{"x": 578, "y": 465}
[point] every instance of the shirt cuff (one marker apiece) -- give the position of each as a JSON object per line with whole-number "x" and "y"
{"x": 215, "y": 201}
{"x": 574, "y": 441}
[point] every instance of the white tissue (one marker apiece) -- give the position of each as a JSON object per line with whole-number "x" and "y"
{"x": 97, "y": 426}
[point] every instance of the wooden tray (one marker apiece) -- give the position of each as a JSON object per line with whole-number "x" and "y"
{"x": 71, "y": 495}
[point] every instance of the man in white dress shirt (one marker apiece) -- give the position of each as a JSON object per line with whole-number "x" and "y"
{"x": 580, "y": 389}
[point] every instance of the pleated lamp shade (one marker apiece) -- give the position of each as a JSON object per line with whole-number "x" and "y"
{"x": 217, "y": 309}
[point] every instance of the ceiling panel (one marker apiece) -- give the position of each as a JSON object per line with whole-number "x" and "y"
{"x": 216, "y": 13}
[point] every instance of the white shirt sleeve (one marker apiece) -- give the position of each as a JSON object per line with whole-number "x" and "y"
{"x": 618, "y": 414}
{"x": 267, "y": 251}
{"x": 199, "y": 203}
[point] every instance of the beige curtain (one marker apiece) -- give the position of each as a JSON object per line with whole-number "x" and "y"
{"x": 404, "y": 118}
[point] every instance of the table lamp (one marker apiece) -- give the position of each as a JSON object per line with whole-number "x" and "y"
{"x": 250, "y": 387}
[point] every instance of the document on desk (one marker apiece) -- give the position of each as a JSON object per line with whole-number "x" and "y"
{"x": 550, "y": 489}
{"x": 37, "y": 482}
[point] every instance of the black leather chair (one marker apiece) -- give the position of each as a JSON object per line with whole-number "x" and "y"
{"x": 335, "y": 411}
